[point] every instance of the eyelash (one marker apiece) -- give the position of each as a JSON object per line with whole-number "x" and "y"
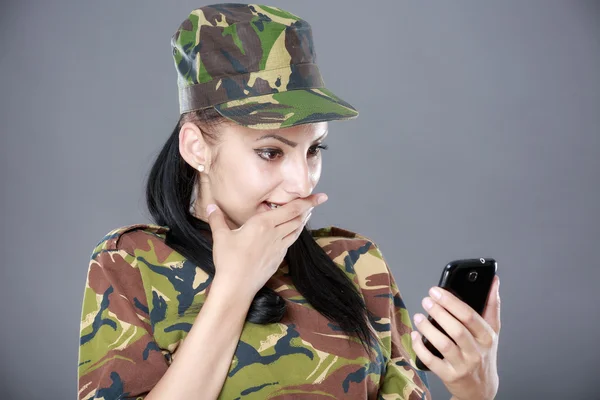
{"x": 277, "y": 151}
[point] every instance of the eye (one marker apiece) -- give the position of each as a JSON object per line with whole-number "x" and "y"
{"x": 269, "y": 154}
{"x": 273, "y": 154}
{"x": 315, "y": 150}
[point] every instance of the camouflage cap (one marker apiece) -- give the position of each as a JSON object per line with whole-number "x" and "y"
{"x": 255, "y": 64}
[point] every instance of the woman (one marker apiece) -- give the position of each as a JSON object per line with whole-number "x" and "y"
{"x": 267, "y": 308}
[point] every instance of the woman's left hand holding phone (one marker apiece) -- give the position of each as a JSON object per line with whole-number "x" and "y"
{"x": 469, "y": 368}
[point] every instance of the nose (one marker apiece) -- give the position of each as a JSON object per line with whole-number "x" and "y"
{"x": 298, "y": 177}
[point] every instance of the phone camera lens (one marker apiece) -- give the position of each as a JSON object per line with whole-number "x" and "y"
{"x": 472, "y": 276}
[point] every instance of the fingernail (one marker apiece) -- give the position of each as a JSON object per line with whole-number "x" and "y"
{"x": 418, "y": 318}
{"x": 210, "y": 208}
{"x": 414, "y": 335}
{"x": 321, "y": 199}
{"x": 436, "y": 293}
{"x": 427, "y": 303}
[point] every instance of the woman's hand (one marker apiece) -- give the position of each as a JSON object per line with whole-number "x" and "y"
{"x": 245, "y": 258}
{"x": 469, "y": 368}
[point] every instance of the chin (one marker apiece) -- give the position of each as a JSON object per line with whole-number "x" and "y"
{"x": 234, "y": 222}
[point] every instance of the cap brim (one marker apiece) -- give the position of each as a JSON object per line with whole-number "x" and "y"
{"x": 285, "y": 109}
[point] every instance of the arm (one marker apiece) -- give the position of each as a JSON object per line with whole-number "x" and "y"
{"x": 118, "y": 357}
{"x": 204, "y": 357}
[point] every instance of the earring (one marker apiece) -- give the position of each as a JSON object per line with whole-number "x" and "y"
{"x": 200, "y": 168}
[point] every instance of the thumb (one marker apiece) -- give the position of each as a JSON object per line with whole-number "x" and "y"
{"x": 491, "y": 314}
{"x": 215, "y": 218}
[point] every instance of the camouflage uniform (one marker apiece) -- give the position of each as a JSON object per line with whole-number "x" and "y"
{"x": 135, "y": 315}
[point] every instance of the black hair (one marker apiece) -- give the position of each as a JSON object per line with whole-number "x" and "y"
{"x": 325, "y": 286}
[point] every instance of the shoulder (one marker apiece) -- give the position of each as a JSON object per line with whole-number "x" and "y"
{"x": 357, "y": 253}
{"x": 130, "y": 237}
{"x": 333, "y": 237}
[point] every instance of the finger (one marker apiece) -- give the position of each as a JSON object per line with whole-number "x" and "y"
{"x": 292, "y": 225}
{"x": 287, "y": 241}
{"x": 491, "y": 314}
{"x": 474, "y": 322}
{"x": 436, "y": 365}
{"x": 299, "y": 223}
{"x": 216, "y": 219}
{"x": 454, "y": 328}
{"x": 295, "y": 208}
{"x": 450, "y": 351}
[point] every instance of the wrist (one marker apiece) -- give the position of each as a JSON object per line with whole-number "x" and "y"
{"x": 456, "y": 398}
{"x": 222, "y": 287}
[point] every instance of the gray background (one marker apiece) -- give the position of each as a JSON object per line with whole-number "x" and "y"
{"x": 478, "y": 136}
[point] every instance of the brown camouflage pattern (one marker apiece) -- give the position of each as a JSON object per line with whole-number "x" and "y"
{"x": 135, "y": 315}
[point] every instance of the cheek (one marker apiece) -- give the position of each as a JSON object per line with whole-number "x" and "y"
{"x": 315, "y": 172}
{"x": 248, "y": 181}
{"x": 259, "y": 178}
{"x": 241, "y": 186}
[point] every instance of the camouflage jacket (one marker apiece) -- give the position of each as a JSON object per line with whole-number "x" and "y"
{"x": 134, "y": 317}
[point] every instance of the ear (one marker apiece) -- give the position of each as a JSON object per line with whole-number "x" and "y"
{"x": 192, "y": 146}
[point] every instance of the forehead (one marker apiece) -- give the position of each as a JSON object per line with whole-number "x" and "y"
{"x": 299, "y": 133}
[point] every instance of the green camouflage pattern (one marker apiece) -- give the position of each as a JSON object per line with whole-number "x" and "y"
{"x": 136, "y": 313}
{"x": 255, "y": 64}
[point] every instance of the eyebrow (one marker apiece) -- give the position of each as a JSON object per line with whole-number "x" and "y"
{"x": 286, "y": 141}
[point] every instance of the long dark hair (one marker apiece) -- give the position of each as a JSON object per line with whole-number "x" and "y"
{"x": 325, "y": 286}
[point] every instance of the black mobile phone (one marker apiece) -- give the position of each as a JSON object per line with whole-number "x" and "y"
{"x": 470, "y": 280}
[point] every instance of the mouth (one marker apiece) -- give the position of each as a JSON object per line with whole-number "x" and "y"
{"x": 271, "y": 206}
